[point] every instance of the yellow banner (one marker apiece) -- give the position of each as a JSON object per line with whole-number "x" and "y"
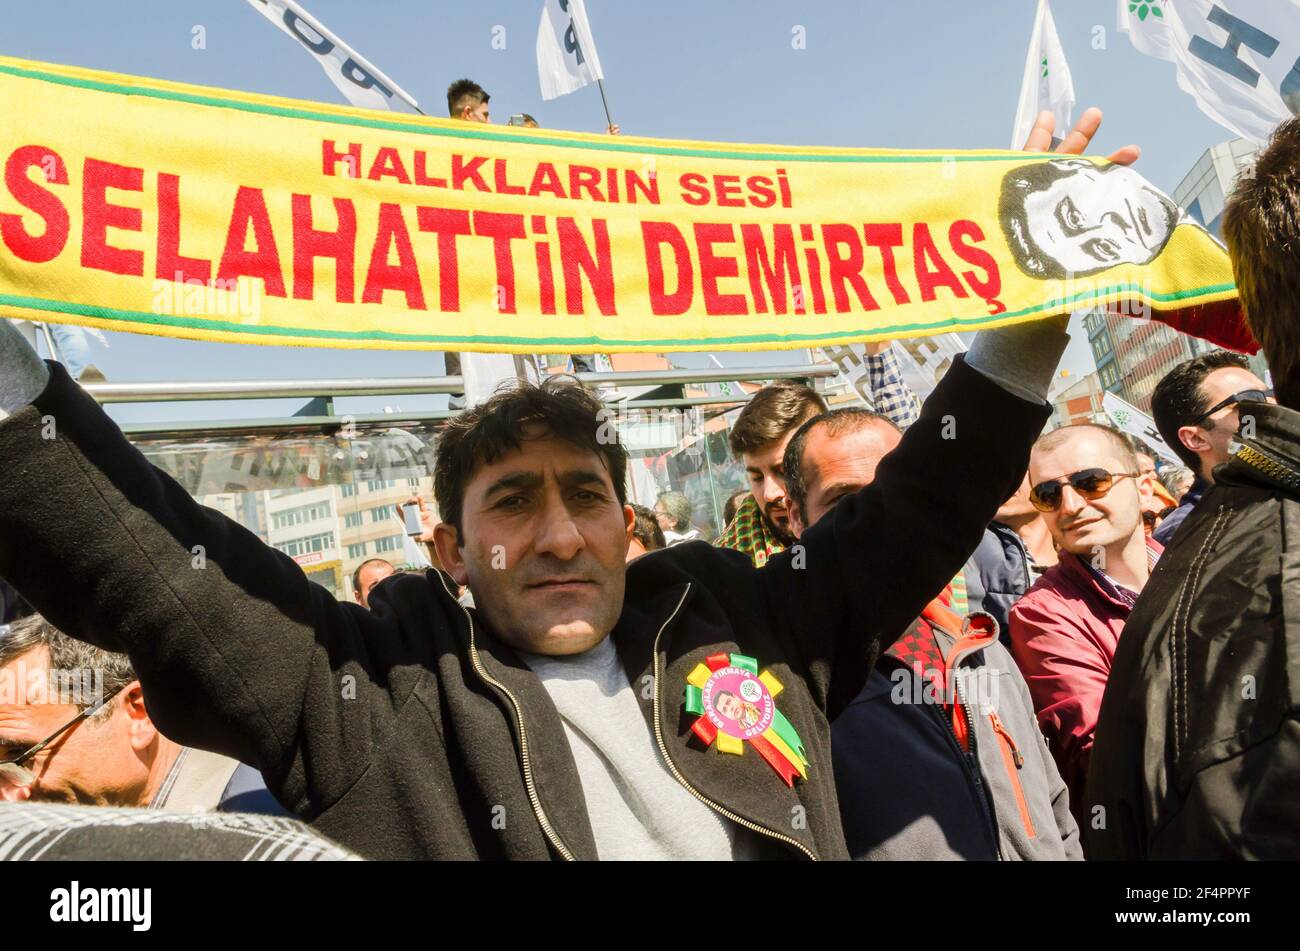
{"x": 156, "y": 207}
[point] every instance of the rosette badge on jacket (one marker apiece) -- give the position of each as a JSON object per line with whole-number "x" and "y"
{"x": 737, "y": 705}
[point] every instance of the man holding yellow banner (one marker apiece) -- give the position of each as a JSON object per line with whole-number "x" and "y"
{"x": 422, "y": 729}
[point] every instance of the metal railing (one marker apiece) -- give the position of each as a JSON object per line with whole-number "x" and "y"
{"x": 177, "y": 391}
{"x": 331, "y": 389}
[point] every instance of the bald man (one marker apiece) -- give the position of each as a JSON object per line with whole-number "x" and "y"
{"x": 906, "y": 790}
{"x": 1086, "y": 481}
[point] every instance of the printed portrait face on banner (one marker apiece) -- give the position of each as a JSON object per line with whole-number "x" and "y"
{"x": 1070, "y": 218}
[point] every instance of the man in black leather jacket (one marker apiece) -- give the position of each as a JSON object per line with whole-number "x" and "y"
{"x": 1198, "y": 743}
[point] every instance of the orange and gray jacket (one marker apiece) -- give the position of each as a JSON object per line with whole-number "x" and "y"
{"x": 940, "y": 757}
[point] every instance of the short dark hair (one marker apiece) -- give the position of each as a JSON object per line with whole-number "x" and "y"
{"x": 559, "y": 406}
{"x": 464, "y": 93}
{"x": 1024, "y": 180}
{"x": 771, "y": 413}
{"x": 1178, "y": 398}
{"x": 529, "y": 120}
{"x": 1261, "y": 224}
{"x": 356, "y": 575}
{"x": 646, "y": 529}
{"x": 847, "y": 419}
{"x": 733, "y": 504}
{"x": 67, "y": 656}
{"x": 1118, "y": 440}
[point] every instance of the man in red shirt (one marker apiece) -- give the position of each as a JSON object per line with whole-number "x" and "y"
{"x": 1085, "y": 481}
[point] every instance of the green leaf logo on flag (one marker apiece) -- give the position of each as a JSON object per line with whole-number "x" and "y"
{"x": 1143, "y": 7}
{"x": 1044, "y": 64}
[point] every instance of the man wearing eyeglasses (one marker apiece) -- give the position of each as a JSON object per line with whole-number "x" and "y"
{"x": 1085, "y": 480}
{"x": 74, "y": 729}
{"x": 1195, "y": 409}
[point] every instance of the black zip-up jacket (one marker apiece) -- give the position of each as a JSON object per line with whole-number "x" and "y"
{"x": 413, "y": 731}
{"x": 1198, "y": 741}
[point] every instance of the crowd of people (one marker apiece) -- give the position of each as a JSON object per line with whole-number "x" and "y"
{"x": 927, "y": 631}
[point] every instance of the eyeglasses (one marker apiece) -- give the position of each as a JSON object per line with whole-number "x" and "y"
{"x": 1090, "y": 483}
{"x": 1245, "y": 396}
{"x": 12, "y": 770}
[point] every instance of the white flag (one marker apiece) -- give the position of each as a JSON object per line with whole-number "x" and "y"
{"x": 1240, "y": 59}
{"x": 1133, "y": 421}
{"x": 1047, "y": 84}
{"x": 361, "y": 83}
{"x": 566, "y": 51}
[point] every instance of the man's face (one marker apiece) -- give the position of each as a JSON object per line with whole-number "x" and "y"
{"x": 1081, "y": 526}
{"x": 663, "y": 518}
{"x": 835, "y": 466}
{"x": 1090, "y": 220}
{"x": 93, "y": 763}
{"x": 477, "y": 113}
{"x": 1211, "y": 437}
{"x": 543, "y": 546}
{"x": 765, "y": 470}
{"x": 729, "y": 705}
{"x": 370, "y": 576}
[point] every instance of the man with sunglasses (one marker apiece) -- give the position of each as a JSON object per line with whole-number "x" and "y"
{"x": 1195, "y": 409}
{"x": 1085, "y": 481}
{"x": 74, "y": 729}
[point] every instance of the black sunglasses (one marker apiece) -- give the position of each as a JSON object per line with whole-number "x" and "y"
{"x": 13, "y": 770}
{"x": 1089, "y": 483}
{"x": 1245, "y": 396}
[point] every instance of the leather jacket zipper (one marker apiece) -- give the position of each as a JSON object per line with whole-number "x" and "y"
{"x": 663, "y": 750}
{"x": 529, "y": 784}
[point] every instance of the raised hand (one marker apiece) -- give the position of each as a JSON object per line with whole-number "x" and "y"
{"x": 1076, "y": 143}
{"x": 427, "y": 521}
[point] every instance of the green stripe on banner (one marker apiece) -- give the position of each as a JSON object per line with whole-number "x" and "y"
{"x": 747, "y": 663}
{"x": 694, "y": 699}
{"x": 1077, "y": 301}
{"x": 786, "y": 731}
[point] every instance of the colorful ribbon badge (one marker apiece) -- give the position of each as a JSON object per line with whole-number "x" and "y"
{"x": 736, "y": 703}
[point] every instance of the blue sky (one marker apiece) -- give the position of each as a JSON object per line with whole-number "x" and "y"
{"x": 938, "y": 74}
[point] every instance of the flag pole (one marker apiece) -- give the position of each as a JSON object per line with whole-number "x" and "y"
{"x": 608, "y": 119}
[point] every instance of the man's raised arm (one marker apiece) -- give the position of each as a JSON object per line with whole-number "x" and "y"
{"x": 868, "y": 568}
{"x": 228, "y": 635}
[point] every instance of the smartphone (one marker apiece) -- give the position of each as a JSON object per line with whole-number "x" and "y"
{"x": 411, "y": 516}
{"x": 516, "y": 119}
